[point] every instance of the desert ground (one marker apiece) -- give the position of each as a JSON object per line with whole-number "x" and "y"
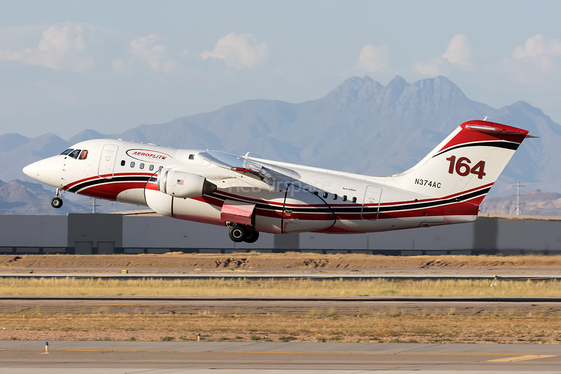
{"x": 155, "y": 315}
{"x": 290, "y": 262}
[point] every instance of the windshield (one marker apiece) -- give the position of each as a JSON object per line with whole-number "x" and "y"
{"x": 74, "y": 153}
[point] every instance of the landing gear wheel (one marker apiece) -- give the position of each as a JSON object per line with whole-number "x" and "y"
{"x": 251, "y": 236}
{"x": 237, "y": 233}
{"x": 56, "y": 202}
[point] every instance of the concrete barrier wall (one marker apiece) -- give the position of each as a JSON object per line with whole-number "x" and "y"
{"x": 86, "y": 233}
{"x": 444, "y": 237}
{"x": 49, "y": 231}
{"x": 174, "y": 233}
{"x": 528, "y": 235}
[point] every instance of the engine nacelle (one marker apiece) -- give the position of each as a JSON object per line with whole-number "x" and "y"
{"x": 182, "y": 184}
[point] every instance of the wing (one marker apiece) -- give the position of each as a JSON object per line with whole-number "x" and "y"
{"x": 246, "y": 166}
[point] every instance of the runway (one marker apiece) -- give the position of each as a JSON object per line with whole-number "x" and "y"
{"x": 89, "y": 357}
{"x": 276, "y": 305}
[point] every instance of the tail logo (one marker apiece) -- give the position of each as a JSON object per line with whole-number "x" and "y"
{"x": 462, "y": 167}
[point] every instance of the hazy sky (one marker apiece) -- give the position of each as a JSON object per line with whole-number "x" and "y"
{"x": 66, "y": 66}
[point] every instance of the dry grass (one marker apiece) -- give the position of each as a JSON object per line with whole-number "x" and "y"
{"x": 287, "y": 287}
{"x": 181, "y": 262}
{"x": 317, "y": 326}
{"x": 449, "y": 328}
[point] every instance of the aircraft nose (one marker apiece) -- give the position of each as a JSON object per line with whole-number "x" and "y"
{"x": 49, "y": 171}
{"x": 32, "y": 170}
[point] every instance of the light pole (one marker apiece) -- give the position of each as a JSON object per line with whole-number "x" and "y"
{"x": 518, "y": 185}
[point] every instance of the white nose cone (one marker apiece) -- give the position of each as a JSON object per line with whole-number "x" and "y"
{"x": 33, "y": 170}
{"x": 48, "y": 171}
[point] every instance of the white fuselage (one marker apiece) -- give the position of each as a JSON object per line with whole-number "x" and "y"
{"x": 295, "y": 199}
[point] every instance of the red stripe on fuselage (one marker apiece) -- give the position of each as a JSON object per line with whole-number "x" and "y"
{"x": 398, "y": 203}
{"x": 105, "y": 177}
{"x": 152, "y": 186}
{"x": 110, "y": 190}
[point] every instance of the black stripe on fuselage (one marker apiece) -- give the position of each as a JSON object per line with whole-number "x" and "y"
{"x": 497, "y": 144}
{"x": 431, "y": 204}
{"x": 128, "y": 178}
{"x": 327, "y": 209}
{"x": 359, "y": 209}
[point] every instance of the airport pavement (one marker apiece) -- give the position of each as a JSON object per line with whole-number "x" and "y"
{"x": 277, "y": 305}
{"x": 110, "y": 357}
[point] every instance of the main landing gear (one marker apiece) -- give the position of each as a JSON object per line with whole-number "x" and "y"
{"x": 240, "y": 233}
{"x": 56, "y": 201}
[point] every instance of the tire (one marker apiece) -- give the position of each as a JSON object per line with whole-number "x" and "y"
{"x": 251, "y": 236}
{"x": 237, "y": 233}
{"x": 56, "y": 202}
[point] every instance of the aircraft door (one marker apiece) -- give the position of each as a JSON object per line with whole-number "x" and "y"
{"x": 305, "y": 211}
{"x": 371, "y": 202}
{"x": 107, "y": 161}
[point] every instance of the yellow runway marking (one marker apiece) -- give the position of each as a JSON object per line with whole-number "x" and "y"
{"x": 521, "y": 358}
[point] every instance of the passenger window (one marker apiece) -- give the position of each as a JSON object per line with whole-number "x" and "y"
{"x": 74, "y": 153}
{"x": 344, "y": 197}
{"x": 132, "y": 164}
{"x": 316, "y": 193}
{"x": 64, "y": 153}
{"x": 142, "y": 166}
{"x": 151, "y": 167}
{"x": 325, "y": 194}
{"x": 123, "y": 162}
{"x": 83, "y": 155}
{"x": 191, "y": 157}
{"x": 334, "y": 196}
{"x": 354, "y": 200}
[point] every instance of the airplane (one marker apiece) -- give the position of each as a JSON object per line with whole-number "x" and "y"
{"x": 250, "y": 195}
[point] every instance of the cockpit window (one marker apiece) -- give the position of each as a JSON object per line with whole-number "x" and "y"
{"x": 67, "y": 151}
{"x": 83, "y": 155}
{"x": 74, "y": 153}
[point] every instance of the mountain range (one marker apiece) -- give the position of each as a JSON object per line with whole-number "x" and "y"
{"x": 533, "y": 203}
{"x": 21, "y": 197}
{"x": 361, "y": 126}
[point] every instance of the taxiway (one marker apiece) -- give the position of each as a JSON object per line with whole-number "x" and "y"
{"x": 88, "y": 357}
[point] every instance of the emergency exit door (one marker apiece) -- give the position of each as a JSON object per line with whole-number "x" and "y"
{"x": 107, "y": 161}
{"x": 371, "y": 202}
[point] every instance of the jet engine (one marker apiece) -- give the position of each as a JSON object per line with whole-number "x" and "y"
{"x": 182, "y": 184}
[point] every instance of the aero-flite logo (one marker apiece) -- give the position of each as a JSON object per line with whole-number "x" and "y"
{"x": 148, "y": 155}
